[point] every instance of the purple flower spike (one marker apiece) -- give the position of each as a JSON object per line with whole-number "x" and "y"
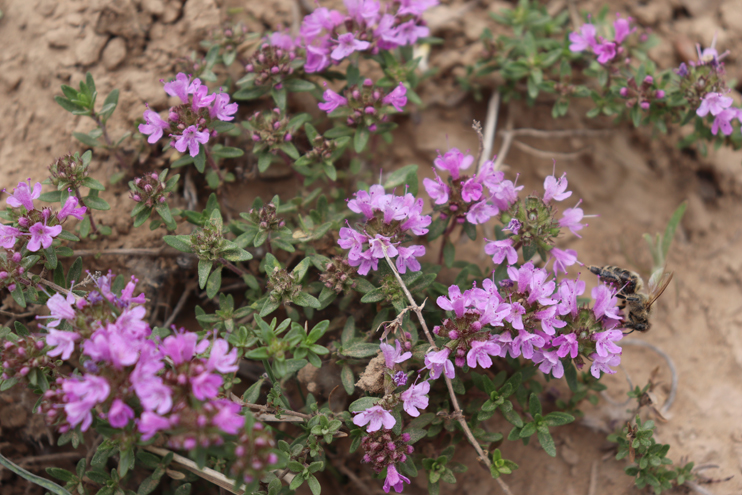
{"x": 375, "y": 417}
{"x": 23, "y": 195}
{"x": 347, "y": 44}
{"x": 190, "y": 139}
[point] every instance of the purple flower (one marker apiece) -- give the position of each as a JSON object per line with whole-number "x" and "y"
{"x": 563, "y": 259}
{"x": 584, "y": 39}
{"x": 539, "y": 289}
{"x": 556, "y": 189}
{"x": 415, "y": 397}
{"x": 605, "y": 303}
{"x": 333, "y": 100}
{"x": 600, "y": 364}
{"x": 322, "y": 19}
{"x": 347, "y": 44}
{"x": 119, "y": 414}
{"x": 221, "y": 358}
{"x": 394, "y": 355}
{"x": 481, "y": 212}
{"x": 180, "y": 347}
{"x": 522, "y": 276}
{"x": 471, "y": 190}
{"x": 454, "y": 161}
{"x": 365, "y": 262}
{"x": 8, "y": 236}
{"x": 396, "y": 98}
{"x": 712, "y": 102}
{"x": 415, "y": 7}
{"x": 568, "y": 292}
{"x": 549, "y": 320}
{"x": 64, "y": 342}
{"x": 228, "y": 419}
{"x": 407, "y": 258}
{"x": 352, "y": 240}
{"x": 550, "y": 363}
{"x": 438, "y": 362}
{"x": 567, "y": 345}
{"x": 381, "y": 244}
{"x": 189, "y": 139}
{"x": 480, "y": 353}
{"x": 499, "y": 250}
{"x": 82, "y": 395}
{"x": 154, "y": 394}
{"x": 622, "y": 27}
{"x": 153, "y": 126}
{"x": 179, "y": 87}
{"x": 454, "y": 302}
{"x": 201, "y": 98}
{"x": 513, "y": 226}
{"x": 724, "y": 121}
{"x": 409, "y": 32}
{"x": 605, "y": 51}
{"x": 525, "y": 342}
{"x": 604, "y": 342}
{"x": 23, "y": 195}
{"x": 386, "y": 33}
{"x": 222, "y": 109}
{"x": 400, "y": 378}
{"x": 682, "y": 70}
{"x": 206, "y": 385}
{"x": 317, "y": 59}
{"x": 61, "y": 308}
{"x": 42, "y": 235}
{"x": 70, "y": 208}
{"x": 394, "y": 480}
{"x": 436, "y": 189}
{"x": 363, "y": 11}
{"x": 571, "y": 219}
{"x": 375, "y": 417}
{"x": 150, "y": 424}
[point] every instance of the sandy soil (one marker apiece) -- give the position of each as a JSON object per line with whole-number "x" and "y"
{"x": 631, "y": 181}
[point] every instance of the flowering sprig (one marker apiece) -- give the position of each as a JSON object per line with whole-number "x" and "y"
{"x": 150, "y": 192}
{"x": 389, "y": 221}
{"x": 606, "y": 50}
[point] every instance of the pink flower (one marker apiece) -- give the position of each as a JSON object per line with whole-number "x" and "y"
{"x": 481, "y": 212}
{"x": 190, "y": 139}
{"x": 396, "y": 98}
{"x": 119, "y": 414}
{"x": 471, "y": 190}
{"x": 550, "y": 363}
{"x": 622, "y": 27}
{"x": 499, "y": 250}
{"x": 549, "y": 320}
{"x": 228, "y": 418}
{"x": 180, "y": 347}
{"x": 23, "y": 195}
{"x": 436, "y": 189}
{"x": 375, "y": 417}
{"x": 571, "y": 220}
{"x": 516, "y": 317}
{"x": 568, "y": 292}
{"x": 180, "y": 87}
{"x": 438, "y": 362}
{"x": 526, "y": 342}
{"x": 409, "y": 32}
{"x": 347, "y": 44}
{"x": 584, "y": 39}
{"x": 153, "y": 126}
{"x": 70, "y": 209}
{"x": 365, "y": 262}
{"x": 602, "y": 363}
{"x": 567, "y": 345}
{"x": 42, "y": 235}
{"x": 61, "y": 308}
{"x": 8, "y": 236}
{"x": 724, "y": 121}
{"x": 317, "y": 58}
{"x": 563, "y": 259}
{"x": 712, "y": 102}
{"x": 221, "y": 359}
{"x": 606, "y": 51}
{"x": 556, "y": 189}
{"x": 454, "y": 161}
{"x": 206, "y": 385}
{"x": 64, "y": 342}
{"x": 394, "y": 355}
{"x": 150, "y": 424}
{"x": 154, "y": 394}
{"x": 605, "y": 303}
{"x": 407, "y": 258}
{"x": 394, "y": 480}
{"x": 222, "y": 109}
{"x": 332, "y": 101}
{"x": 82, "y": 395}
{"x": 352, "y": 240}
{"x": 604, "y": 342}
{"x": 480, "y": 353}
{"x": 415, "y": 397}
{"x": 380, "y": 244}
{"x": 201, "y": 98}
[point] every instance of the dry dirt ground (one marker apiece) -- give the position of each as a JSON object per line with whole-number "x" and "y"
{"x": 633, "y": 182}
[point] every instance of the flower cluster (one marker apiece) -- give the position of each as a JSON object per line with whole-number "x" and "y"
{"x": 720, "y": 107}
{"x": 606, "y": 50}
{"x": 382, "y": 451}
{"x": 273, "y": 62}
{"x": 270, "y": 129}
{"x": 329, "y": 36}
{"x": 389, "y": 221}
{"x": 476, "y": 198}
{"x": 149, "y": 189}
{"x": 365, "y": 105}
{"x": 644, "y": 94}
{"x": 39, "y": 226}
{"x": 23, "y": 356}
{"x": 189, "y": 125}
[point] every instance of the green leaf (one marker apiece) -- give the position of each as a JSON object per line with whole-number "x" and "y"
{"x": 360, "y": 139}
{"x": 547, "y": 442}
{"x": 297, "y": 85}
{"x": 94, "y": 202}
{"x": 164, "y": 211}
{"x": 318, "y": 331}
{"x": 363, "y": 403}
{"x": 347, "y": 379}
{"x": 373, "y": 296}
{"x": 264, "y": 161}
{"x": 204, "y": 268}
{"x": 449, "y": 253}
{"x": 558, "y": 418}
{"x": 109, "y": 105}
{"x": 304, "y": 299}
{"x": 220, "y": 151}
{"x": 314, "y": 485}
{"x": 37, "y": 480}
{"x": 214, "y": 283}
{"x": 70, "y": 106}
{"x": 75, "y": 270}
{"x": 179, "y": 242}
{"x": 86, "y": 139}
{"x": 251, "y": 93}
{"x": 405, "y": 176}
{"x": 51, "y": 197}
{"x": 200, "y": 160}
{"x": 279, "y": 96}
{"x": 91, "y": 183}
{"x": 51, "y": 257}
{"x": 18, "y": 296}
{"x": 360, "y": 350}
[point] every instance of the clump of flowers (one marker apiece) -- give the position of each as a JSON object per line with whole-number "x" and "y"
{"x": 365, "y": 105}
{"x": 605, "y": 49}
{"x": 269, "y": 130}
{"x": 273, "y": 62}
{"x": 329, "y": 36}
{"x": 389, "y": 221}
{"x": 150, "y": 190}
{"x": 644, "y": 95}
{"x": 189, "y": 125}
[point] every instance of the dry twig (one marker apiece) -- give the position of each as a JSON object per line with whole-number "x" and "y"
{"x": 206, "y": 473}
{"x": 566, "y": 155}
{"x": 181, "y": 303}
{"x": 507, "y": 141}
{"x": 490, "y": 128}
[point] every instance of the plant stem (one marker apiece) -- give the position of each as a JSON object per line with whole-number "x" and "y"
{"x": 87, "y": 210}
{"x": 206, "y": 473}
{"x": 446, "y": 235}
{"x": 212, "y": 164}
{"x": 457, "y": 410}
{"x": 235, "y": 269}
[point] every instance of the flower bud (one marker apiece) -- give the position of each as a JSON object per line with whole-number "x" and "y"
{"x": 372, "y": 127}
{"x": 624, "y": 92}
{"x": 16, "y": 257}
{"x": 3, "y": 275}
{"x": 369, "y": 110}
{"x": 249, "y": 67}
{"x": 11, "y": 287}
{"x": 644, "y": 105}
{"x": 648, "y": 80}
{"x": 659, "y": 94}
{"x": 23, "y": 222}
{"x": 287, "y": 137}
{"x": 368, "y": 82}
{"x": 356, "y": 94}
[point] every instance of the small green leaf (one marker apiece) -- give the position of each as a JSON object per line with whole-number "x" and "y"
{"x": 214, "y": 283}
{"x": 304, "y": 299}
{"x": 204, "y": 269}
{"x": 37, "y": 480}
{"x": 361, "y": 350}
{"x": 200, "y": 160}
{"x": 179, "y": 242}
{"x": 347, "y": 379}
{"x": 360, "y": 139}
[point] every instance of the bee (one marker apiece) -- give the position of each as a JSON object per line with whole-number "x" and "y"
{"x": 636, "y": 305}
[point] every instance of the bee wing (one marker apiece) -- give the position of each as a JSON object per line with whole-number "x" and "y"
{"x": 657, "y": 285}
